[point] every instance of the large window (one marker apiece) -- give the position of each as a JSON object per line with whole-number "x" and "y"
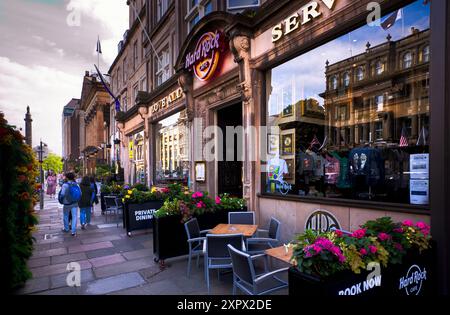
{"x": 161, "y": 8}
{"x": 197, "y": 10}
{"x": 163, "y": 67}
{"x": 242, "y": 4}
{"x": 368, "y": 143}
{"x": 172, "y": 149}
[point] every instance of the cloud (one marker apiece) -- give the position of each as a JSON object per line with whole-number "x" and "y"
{"x": 46, "y": 90}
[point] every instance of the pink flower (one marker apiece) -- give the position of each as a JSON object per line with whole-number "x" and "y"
{"x": 218, "y": 200}
{"x": 398, "y": 246}
{"x": 408, "y": 223}
{"x": 398, "y": 230}
{"x": 197, "y": 194}
{"x": 200, "y": 204}
{"x": 338, "y": 233}
{"x": 373, "y": 249}
{"x": 317, "y": 249}
{"x": 359, "y": 233}
{"x": 363, "y": 251}
{"x": 165, "y": 190}
{"x": 383, "y": 236}
{"x": 422, "y": 226}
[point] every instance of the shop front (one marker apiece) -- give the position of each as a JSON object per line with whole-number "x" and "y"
{"x": 346, "y": 102}
{"x": 210, "y": 79}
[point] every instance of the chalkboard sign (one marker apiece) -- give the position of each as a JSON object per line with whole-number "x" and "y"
{"x": 140, "y": 216}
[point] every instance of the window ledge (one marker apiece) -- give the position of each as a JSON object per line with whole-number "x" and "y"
{"x": 364, "y": 204}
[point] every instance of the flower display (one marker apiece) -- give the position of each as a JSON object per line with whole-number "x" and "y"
{"x": 380, "y": 240}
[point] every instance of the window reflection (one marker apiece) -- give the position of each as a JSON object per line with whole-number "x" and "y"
{"x": 361, "y": 138}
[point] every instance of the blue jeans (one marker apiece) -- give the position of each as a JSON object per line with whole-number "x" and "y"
{"x": 85, "y": 215}
{"x": 72, "y": 209}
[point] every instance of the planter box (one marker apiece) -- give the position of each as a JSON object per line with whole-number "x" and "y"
{"x": 169, "y": 235}
{"x": 140, "y": 216}
{"x": 415, "y": 276}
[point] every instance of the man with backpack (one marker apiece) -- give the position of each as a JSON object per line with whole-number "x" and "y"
{"x": 69, "y": 195}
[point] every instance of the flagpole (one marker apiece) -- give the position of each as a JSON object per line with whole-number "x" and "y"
{"x": 98, "y": 53}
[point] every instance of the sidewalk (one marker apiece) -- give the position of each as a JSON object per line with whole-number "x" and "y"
{"x": 110, "y": 261}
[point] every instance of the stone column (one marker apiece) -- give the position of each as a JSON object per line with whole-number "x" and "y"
{"x": 240, "y": 47}
{"x": 28, "y": 128}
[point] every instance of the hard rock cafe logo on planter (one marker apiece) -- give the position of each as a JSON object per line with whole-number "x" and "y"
{"x": 412, "y": 282}
{"x": 206, "y": 56}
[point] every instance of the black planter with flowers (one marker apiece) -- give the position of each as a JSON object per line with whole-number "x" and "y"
{"x": 382, "y": 258}
{"x": 139, "y": 216}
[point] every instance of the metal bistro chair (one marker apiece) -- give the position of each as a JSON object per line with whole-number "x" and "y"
{"x": 216, "y": 252}
{"x": 112, "y": 206}
{"x": 258, "y": 245}
{"x": 244, "y": 217}
{"x": 195, "y": 241}
{"x": 246, "y": 279}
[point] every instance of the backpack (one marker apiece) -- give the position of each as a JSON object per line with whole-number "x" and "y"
{"x": 73, "y": 194}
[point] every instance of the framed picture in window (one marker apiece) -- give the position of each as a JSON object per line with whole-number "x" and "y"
{"x": 200, "y": 171}
{"x": 291, "y": 169}
{"x": 273, "y": 144}
{"x": 288, "y": 144}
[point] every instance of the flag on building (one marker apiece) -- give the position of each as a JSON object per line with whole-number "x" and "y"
{"x": 315, "y": 142}
{"x": 390, "y": 21}
{"x": 106, "y": 86}
{"x": 403, "y": 138}
{"x": 99, "y": 46}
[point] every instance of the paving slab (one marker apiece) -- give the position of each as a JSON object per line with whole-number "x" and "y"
{"x": 57, "y": 269}
{"x": 140, "y": 253}
{"x": 100, "y": 239}
{"x": 128, "y": 266}
{"x": 38, "y": 262}
{"x": 107, "y": 260}
{"x": 50, "y": 252}
{"x": 58, "y": 281}
{"x": 35, "y": 285}
{"x": 101, "y": 252}
{"x": 115, "y": 283}
{"x": 68, "y": 258}
{"x": 162, "y": 287}
{"x": 89, "y": 247}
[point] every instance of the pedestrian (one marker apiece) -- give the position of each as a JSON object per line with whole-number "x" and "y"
{"x": 51, "y": 184}
{"x": 85, "y": 203}
{"x": 69, "y": 196}
{"x": 95, "y": 201}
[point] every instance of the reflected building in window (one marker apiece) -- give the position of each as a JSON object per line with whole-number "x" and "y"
{"x": 376, "y": 96}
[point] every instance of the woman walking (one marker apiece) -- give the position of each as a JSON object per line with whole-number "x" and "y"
{"x": 85, "y": 203}
{"x": 51, "y": 184}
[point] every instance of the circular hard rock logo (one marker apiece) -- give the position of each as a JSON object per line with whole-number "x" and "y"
{"x": 206, "y": 56}
{"x": 412, "y": 282}
{"x": 206, "y": 67}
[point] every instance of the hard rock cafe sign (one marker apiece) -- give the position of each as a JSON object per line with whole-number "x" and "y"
{"x": 205, "y": 59}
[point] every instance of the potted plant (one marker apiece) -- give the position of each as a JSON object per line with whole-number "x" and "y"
{"x": 381, "y": 258}
{"x": 139, "y": 205}
{"x": 169, "y": 236}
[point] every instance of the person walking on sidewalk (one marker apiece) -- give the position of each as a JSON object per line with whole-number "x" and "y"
{"x": 69, "y": 196}
{"x": 95, "y": 200}
{"x": 86, "y": 201}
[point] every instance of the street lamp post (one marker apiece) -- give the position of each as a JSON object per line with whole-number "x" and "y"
{"x": 41, "y": 174}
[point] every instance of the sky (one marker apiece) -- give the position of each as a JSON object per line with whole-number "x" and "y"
{"x": 46, "y": 47}
{"x": 307, "y": 72}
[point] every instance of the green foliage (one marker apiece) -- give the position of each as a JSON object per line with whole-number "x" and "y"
{"x": 102, "y": 171}
{"x": 140, "y": 187}
{"x": 17, "y": 198}
{"x": 53, "y": 162}
{"x": 226, "y": 202}
{"x": 137, "y": 196}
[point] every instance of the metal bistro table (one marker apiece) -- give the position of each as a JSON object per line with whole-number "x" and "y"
{"x": 246, "y": 229}
{"x": 280, "y": 253}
